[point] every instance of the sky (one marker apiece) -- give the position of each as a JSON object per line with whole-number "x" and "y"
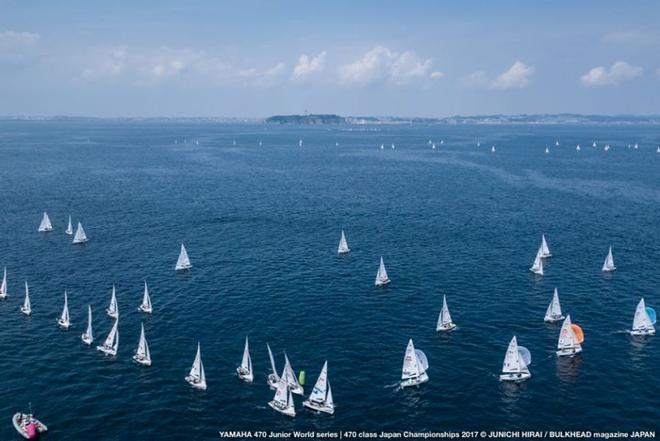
{"x": 254, "y": 58}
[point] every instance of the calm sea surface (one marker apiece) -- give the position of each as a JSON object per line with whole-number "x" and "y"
{"x": 261, "y": 225}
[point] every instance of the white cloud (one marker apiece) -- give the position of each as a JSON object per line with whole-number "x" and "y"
{"x": 616, "y": 74}
{"x": 308, "y": 66}
{"x": 475, "y": 79}
{"x": 516, "y": 77}
{"x": 276, "y": 70}
{"x": 381, "y": 63}
{"x": 14, "y": 40}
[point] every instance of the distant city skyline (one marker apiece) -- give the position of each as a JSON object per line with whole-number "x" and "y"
{"x": 259, "y": 58}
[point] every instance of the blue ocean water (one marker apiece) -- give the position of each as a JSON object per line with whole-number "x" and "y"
{"x": 261, "y": 225}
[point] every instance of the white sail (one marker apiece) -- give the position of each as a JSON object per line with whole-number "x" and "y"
{"x": 320, "y": 390}
{"x": 343, "y": 245}
{"x": 568, "y": 342}
{"x": 142, "y": 354}
{"x": 80, "y": 236}
{"x": 642, "y": 323}
{"x": 69, "y": 228}
{"x": 492, "y": 149}
{"x": 64, "y": 318}
{"x": 282, "y": 393}
{"x": 553, "y": 313}
{"x": 537, "y": 266}
{"x": 547, "y": 150}
{"x": 245, "y": 369}
{"x": 3, "y": 286}
{"x": 145, "y": 306}
{"x": 381, "y": 276}
{"x": 608, "y": 265}
{"x": 183, "y": 262}
{"x": 329, "y": 401}
{"x": 444, "y": 319}
{"x": 513, "y": 362}
{"x": 113, "y": 308}
{"x": 45, "y": 224}
{"x": 577, "y": 147}
{"x": 289, "y": 375}
{"x": 274, "y": 373}
{"x": 88, "y": 336}
{"x": 300, "y": 143}
{"x": 26, "y": 308}
{"x": 111, "y": 342}
{"x": 411, "y": 366}
{"x": 196, "y": 377}
{"x": 545, "y": 251}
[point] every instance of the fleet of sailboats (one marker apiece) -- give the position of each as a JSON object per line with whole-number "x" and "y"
{"x": 183, "y": 263}
{"x": 414, "y": 368}
{"x": 63, "y": 321}
{"x": 196, "y": 377}
{"x": 515, "y": 367}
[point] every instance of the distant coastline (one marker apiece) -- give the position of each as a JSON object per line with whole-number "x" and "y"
{"x": 333, "y": 119}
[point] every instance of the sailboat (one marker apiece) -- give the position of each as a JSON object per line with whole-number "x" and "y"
{"x": 63, "y": 321}
{"x": 537, "y": 266}
{"x": 393, "y": 147}
{"x": 415, "y": 365}
{"x": 568, "y": 342}
{"x": 492, "y": 149}
{"x": 45, "y": 224}
{"x": 642, "y": 323}
{"x": 433, "y": 146}
{"x": 26, "y": 308}
{"x": 514, "y": 367}
{"x": 545, "y": 251}
{"x": 444, "y": 319}
{"x": 273, "y": 377}
{"x": 381, "y": 276}
{"x": 196, "y": 377}
{"x": 442, "y": 141}
{"x": 320, "y": 399}
{"x": 283, "y": 400}
{"x": 142, "y": 355}
{"x": 88, "y": 336}
{"x": 382, "y": 146}
{"x": 111, "y": 343}
{"x": 261, "y": 144}
{"x": 577, "y": 147}
{"x": 183, "y": 262}
{"x": 594, "y": 144}
{"x": 343, "y": 245}
{"x": 3, "y": 286}
{"x": 553, "y": 313}
{"x": 300, "y": 143}
{"x": 245, "y": 369}
{"x": 113, "y": 308}
{"x": 547, "y": 150}
{"x": 80, "y": 236}
{"x": 608, "y": 265}
{"x": 69, "y": 228}
{"x": 607, "y": 147}
{"x": 145, "y": 306}
{"x": 478, "y": 143}
{"x": 557, "y": 143}
{"x": 636, "y": 146}
{"x": 290, "y": 377}
{"x": 657, "y": 150}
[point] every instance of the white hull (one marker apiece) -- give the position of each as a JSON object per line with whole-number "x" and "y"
{"x": 609, "y": 270}
{"x": 20, "y": 426}
{"x": 62, "y": 324}
{"x": 289, "y": 411}
{"x": 183, "y": 267}
{"x": 639, "y": 332}
{"x": 114, "y": 315}
{"x": 248, "y": 377}
{"x": 568, "y": 352}
{"x": 297, "y": 390}
{"x": 553, "y": 319}
{"x": 383, "y": 282}
{"x": 446, "y": 327}
{"x": 536, "y": 271}
{"x": 3, "y": 296}
{"x": 318, "y": 407}
{"x": 423, "y": 378}
{"x": 273, "y": 380}
{"x": 88, "y": 341}
{"x": 107, "y": 350}
{"x": 515, "y": 377}
{"x": 145, "y": 309}
{"x": 194, "y": 382}
{"x": 26, "y": 311}
{"x": 142, "y": 361}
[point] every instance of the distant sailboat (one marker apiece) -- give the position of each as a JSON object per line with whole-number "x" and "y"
{"x": 283, "y": 400}
{"x": 636, "y": 146}
{"x": 492, "y": 149}
{"x": 26, "y": 308}
{"x": 442, "y": 141}
{"x": 594, "y": 144}
{"x": 300, "y": 143}
{"x": 568, "y": 344}
{"x": 607, "y": 147}
{"x": 111, "y": 343}
{"x": 381, "y": 276}
{"x": 545, "y": 250}
{"x": 393, "y": 147}
{"x": 63, "y": 321}
{"x": 343, "y": 245}
{"x": 414, "y": 368}
{"x": 547, "y": 150}
{"x": 3, "y": 286}
{"x": 80, "y": 236}
{"x": 444, "y": 319}
{"x": 657, "y": 150}
{"x": 320, "y": 399}
{"x": 245, "y": 369}
{"x": 113, "y": 308}
{"x": 45, "y": 224}
{"x": 142, "y": 355}
{"x": 557, "y": 143}
{"x": 478, "y": 143}
{"x": 183, "y": 262}
{"x": 514, "y": 367}
{"x": 88, "y": 336}
{"x": 290, "y": 377}
{"x": 69, "y": 228}
{"x": 642, "y": 323}
{"x": 261, "y": 143}
{"x": 382, "y": 146}
{"x": 608, "y": 265}
{"x": 577, "y": 147}
{"x": 196, "y": 377}
{"x": 537, "y": 266}
{"x": 273, "y": 377}
{"x": 553, "y": 313}
{"x": 433, "y": 146}
{"x": 145, "y": 306}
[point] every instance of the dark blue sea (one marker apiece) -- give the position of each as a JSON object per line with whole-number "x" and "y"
{"x": 261, "y": 225}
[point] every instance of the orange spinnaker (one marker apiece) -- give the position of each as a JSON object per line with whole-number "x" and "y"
{"x": 578, "y": 332}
